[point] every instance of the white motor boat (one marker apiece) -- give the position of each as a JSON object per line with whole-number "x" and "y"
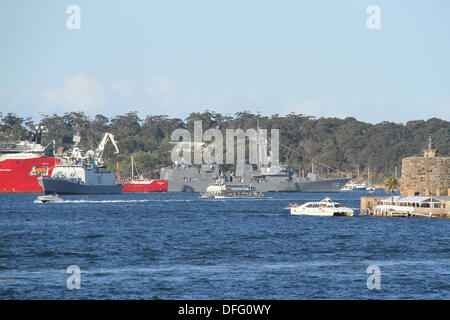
{"x": 222, "y": 190}
{"x": 325, "y": 208}
{"x": 49, "y": 198}
{"x": 354, "y": 186}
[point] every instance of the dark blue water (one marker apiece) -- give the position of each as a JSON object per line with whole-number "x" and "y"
{"x": 178, "y": 246}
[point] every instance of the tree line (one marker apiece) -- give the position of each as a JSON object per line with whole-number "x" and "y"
{"x": 334, "y": 145}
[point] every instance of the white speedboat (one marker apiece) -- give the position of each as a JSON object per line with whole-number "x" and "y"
{"x": 49, "y": 198}
{"x": 325, "y": 208}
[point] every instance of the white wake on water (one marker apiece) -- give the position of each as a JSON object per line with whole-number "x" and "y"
{"x": 95, "y": 201}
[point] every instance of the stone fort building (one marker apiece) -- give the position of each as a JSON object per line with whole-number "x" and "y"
{"x": 427, "y": 175}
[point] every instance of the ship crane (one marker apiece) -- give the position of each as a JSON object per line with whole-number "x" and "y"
{"x": 51, "y": 142}
{"x": 102, "y": 144}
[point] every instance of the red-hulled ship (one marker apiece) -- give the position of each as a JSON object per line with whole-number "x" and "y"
{"x": 141, "y": 185}
{"x": 144, "y": 185}
{"x": 21, "y": 163}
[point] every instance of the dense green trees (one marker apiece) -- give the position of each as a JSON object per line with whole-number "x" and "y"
{"x": 346, "y": 144}
{"x": 13, "y": 126}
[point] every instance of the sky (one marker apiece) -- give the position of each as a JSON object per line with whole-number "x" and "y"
{"x": 318, "y": 58}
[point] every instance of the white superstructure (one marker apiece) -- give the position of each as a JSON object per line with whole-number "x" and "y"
{"x": 22, "y": 150}
{"x": 83, "y": 171}
{"x": 85, "y": 167}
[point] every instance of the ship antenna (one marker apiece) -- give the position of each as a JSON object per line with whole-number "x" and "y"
{"x": 258, "y": 147}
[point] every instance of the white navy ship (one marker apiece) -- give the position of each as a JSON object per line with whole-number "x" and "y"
{"x": 80, "y": 172}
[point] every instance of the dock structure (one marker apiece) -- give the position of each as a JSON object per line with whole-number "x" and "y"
{"x": 406, "y": 206}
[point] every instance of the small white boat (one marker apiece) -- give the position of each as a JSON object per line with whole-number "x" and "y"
{"x": 222, "y": 190}
{"x": 325, "y": 208}
{"x": 49, "y": 198}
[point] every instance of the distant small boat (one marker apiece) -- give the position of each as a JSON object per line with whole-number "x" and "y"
{"x": 358, "y": 186}
{"x": 50, "y": 198}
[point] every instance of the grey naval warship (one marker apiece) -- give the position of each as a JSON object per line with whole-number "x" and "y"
{"x": 80, "y": 172}
{"x": 186, "y": 178}
{"x": 182, "y": 177}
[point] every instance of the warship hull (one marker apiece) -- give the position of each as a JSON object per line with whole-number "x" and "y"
{"x": 332, "y": 185}
{"x": 66, "y": 186}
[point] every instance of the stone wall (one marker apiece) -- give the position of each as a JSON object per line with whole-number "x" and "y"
{"x": 425, "y": 176}
{"x": 368, "y": 203}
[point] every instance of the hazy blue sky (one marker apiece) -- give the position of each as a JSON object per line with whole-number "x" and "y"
{"x": 175, "y": 57}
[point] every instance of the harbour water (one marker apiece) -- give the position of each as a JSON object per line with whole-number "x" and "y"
{"x": 179, "y": 246}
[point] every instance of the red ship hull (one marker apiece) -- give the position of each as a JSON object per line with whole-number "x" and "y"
{"x": 21, "y": 175}
{"x": 145, "y": 186}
